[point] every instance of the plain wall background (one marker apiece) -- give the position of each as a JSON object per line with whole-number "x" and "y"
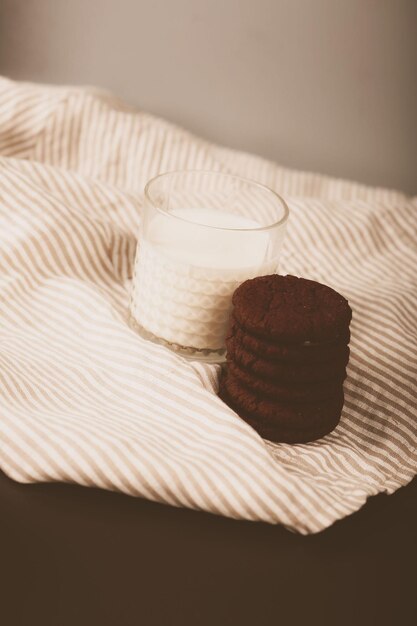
{"x": 323, "y": 85}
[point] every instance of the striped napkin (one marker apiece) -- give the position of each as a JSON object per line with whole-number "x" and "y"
{"x": 83, "y": 399}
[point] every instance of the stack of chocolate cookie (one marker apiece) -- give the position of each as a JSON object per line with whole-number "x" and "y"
{"x": 287, "y": 351}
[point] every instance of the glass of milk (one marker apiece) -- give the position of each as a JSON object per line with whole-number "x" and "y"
{"x": 202, "y": 234}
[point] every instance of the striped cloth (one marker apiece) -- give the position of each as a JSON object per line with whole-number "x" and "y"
{"x": 85, "y": 400}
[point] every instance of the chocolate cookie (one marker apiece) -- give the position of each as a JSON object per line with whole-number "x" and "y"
{"x": 306, "y": 352}
{"x": 282, "y": 422}
{"x": 291, "y": 309}
{"x": 281, "y": 434}
{"x": 282, "y": 372}
{"x": 296, "y": 392}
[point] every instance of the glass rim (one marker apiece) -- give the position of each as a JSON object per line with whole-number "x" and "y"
{"x": 252, "y": 182}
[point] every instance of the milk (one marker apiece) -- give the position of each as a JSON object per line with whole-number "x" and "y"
{"x": 187, "y": 269}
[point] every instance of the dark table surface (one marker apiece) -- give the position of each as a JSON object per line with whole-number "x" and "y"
{"x": 72, "y": 556}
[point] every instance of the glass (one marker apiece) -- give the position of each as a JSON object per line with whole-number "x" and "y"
{"x": 202, "y": 234}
